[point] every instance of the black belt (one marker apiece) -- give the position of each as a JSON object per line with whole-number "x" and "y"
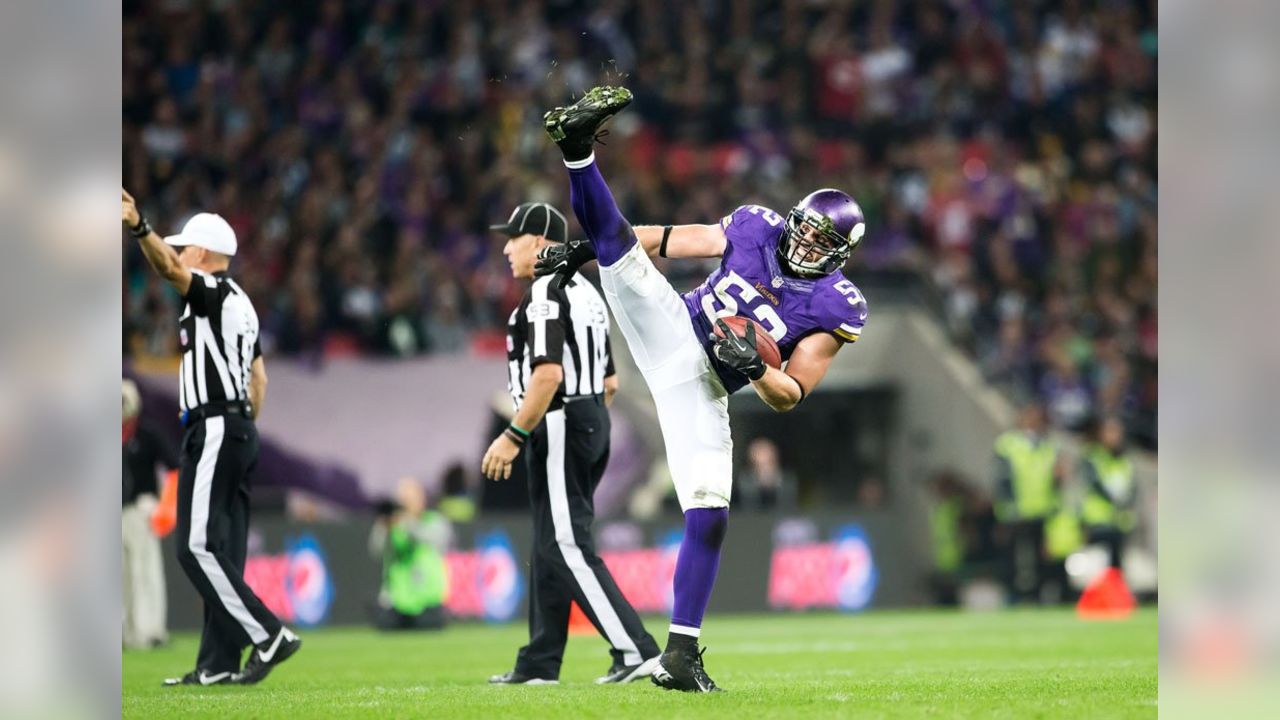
{"x": 216, "y": 409}
{"x": 598, "y": 399}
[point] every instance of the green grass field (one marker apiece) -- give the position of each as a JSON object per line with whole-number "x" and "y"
{"x": 1018, "y": 664}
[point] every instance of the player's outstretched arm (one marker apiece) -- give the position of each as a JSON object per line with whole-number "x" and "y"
{"x": 163, "y": 259}
{"x": 782, "y": 390}
{"x": 683, "y": 241}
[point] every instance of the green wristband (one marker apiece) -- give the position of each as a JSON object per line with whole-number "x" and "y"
{"x": 519, "y": 430}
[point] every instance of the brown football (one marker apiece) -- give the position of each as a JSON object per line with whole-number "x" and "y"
{"x": 765, "y": 345}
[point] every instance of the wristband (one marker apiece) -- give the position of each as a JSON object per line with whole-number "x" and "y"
{"x": 142, "y": 229}
{"x": 666, "y": 233}
{"x": 524, "y": 434}
{"x": 512, "y": 436}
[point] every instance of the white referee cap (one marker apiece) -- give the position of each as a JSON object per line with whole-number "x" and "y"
{"x": 208, "y": 231}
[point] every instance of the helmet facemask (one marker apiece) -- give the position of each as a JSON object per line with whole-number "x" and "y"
{"x": 807, "y": 257}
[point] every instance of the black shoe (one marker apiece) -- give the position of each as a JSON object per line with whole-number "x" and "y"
{"x": 622, "y": 674}
{"x": 267, "y": 655}
{"x": 576, "y": 127}
{"x": 516, "y": 677}
{"x": 200, "y": 677}
{"x": 681, "y": 669}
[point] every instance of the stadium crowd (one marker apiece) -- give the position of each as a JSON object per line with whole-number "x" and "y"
{"x": 1005, "y": 151}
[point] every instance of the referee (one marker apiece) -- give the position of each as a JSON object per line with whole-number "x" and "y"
{"x": 561, "y": 378}
{"x": 223, "y": 383}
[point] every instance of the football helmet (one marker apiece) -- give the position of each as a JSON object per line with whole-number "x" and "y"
{"x": 822, "y": 231}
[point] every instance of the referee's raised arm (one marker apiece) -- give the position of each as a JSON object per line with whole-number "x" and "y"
{"x": 162, "y": 257}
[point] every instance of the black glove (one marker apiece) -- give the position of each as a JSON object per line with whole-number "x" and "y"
{"x": 739, "y": 353}
{"x": 563, "y": 259}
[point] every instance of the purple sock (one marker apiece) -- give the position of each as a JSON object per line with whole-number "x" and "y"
{"x": 610, "y": 233}
{"x": 696, "y": 567}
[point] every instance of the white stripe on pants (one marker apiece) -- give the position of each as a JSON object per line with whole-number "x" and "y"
{"x": 213, "y": 431}
{"x": 586, "y": 578}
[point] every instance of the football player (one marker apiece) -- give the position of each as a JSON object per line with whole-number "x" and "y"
{"x": 782, "y": 272}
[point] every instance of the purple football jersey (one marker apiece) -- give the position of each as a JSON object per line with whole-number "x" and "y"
{"x": 750, "y": 283}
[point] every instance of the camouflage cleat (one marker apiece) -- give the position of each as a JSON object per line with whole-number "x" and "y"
{"x": 682, "y": 669}
{"x": 576, "y": 127}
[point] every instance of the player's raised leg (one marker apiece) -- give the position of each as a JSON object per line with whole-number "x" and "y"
{"x": 575, "y": 129}
{"x": 650, "y": 313}
{"x": 692, "y": 406}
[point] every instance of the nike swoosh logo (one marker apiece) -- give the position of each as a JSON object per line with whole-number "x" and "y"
{"x": 215, "y": 678}
{"x": 266, "y": 656}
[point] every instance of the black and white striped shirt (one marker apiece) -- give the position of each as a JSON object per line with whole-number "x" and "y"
{"x": 568, "y": 326}
{"x": 218, "y": 332}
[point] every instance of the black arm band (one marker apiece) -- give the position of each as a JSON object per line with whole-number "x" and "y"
{"x": 666, "y": 233}
{"x": 802, "y": 392}
{"x": 142, "y": 229}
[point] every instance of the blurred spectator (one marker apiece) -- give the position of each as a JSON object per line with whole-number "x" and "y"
{"x": 1028, "y": 495}
{"x": 1110, "y": 490}
{"x": 962, "y": 526}
{"x": 871, "y": 493}
{"x": 145, "y": 451}
{"x": 1006, "y": 151}
{"x": 764, "y": 484}
{"x": 456, "y": 502}
{"x": 411, "y": 540}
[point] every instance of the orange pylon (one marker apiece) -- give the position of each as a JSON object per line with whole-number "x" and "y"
{"x": 1106, "y": 598}
{"x": 578, "y": 622}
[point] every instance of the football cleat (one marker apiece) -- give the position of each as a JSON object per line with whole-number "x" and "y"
{"x": 681, "y": 669}
{"x": 576, "y": 128}
{"x": 200, "y": 677}
{"x": 515, "y": 677}
{"x": 266, "y": 655}
{"x": 623, "y": 674}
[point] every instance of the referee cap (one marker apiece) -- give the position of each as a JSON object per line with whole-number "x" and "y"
{"x": 208, "y": 231}
{"x": 535, "y": 218}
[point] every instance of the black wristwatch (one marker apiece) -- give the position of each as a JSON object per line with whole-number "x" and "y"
{"x": 142, "y": 229}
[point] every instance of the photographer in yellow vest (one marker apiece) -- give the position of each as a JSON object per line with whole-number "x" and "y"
{"x": 1110, "y": 492}
{"x": 1028, "y": 493}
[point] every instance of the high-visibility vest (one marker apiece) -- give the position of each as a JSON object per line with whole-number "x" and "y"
{"x": 415, "y": 576}
{"x": 1116, "y": 475}
{"x": 458, "y": 508}
{"x": 945, "y": 523}
{"x": 1032, "y": 465}
{"x": 1062, "y": 534}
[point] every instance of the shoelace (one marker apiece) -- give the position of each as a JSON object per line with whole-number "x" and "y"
{"x": 699, "y": 672}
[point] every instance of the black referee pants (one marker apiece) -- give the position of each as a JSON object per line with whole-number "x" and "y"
{"x": 212, "y": 534}
{"x": 566, "y": 456}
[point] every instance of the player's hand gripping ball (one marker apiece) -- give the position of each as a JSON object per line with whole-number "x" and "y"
{"x": 742, "y": 344}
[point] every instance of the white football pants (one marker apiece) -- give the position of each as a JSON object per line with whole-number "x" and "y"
{"x": 693, "y": 407}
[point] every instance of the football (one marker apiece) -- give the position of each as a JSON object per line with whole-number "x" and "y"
{"x": 765, "y": 345}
